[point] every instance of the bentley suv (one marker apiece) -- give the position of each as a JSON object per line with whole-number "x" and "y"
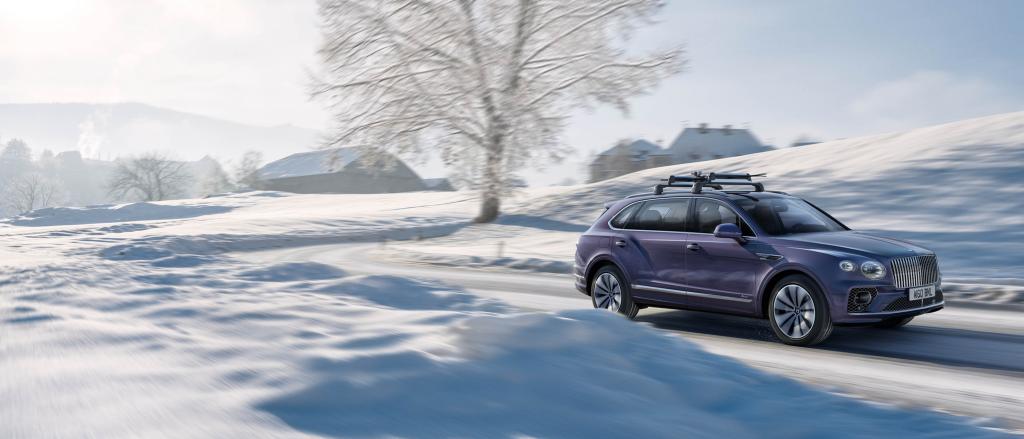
{"x": 751, "y": 252}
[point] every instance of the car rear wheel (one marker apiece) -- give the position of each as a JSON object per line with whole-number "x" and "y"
{"x": 893, "y": 323}
{"x": 798, "y": 312}
{"x": 608, "y": 290}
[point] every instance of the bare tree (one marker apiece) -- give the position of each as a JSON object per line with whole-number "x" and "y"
{"x": 247, "y": 174}
{"x": 490, "y": 84}
{"x": 211, "y": 177}
{"x": 29, "y": 192}
{"x": 150, "y": 177}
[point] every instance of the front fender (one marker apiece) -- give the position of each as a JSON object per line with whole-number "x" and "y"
{"x": 782, "y": 270}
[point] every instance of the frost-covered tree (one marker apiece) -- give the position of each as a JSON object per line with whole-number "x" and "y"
{"x": 247, "y": 174}
{"x": 149, "y": 177}
{"x": 30, "y": 191}
{"x": 488, "y": 84}
{"x": 210, "y": 177}
{"x": 15, "y": 159}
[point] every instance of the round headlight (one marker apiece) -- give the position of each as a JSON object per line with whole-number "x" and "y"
{"x": 872, "y": 270}
{"x": 847, "y": 266}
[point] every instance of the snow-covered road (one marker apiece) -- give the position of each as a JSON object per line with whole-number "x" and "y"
{"x": 962, "y": 360}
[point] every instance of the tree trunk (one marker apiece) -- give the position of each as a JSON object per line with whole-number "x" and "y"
{"x": 490, "y": 196}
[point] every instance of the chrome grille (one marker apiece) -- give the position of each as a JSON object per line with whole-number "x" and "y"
{"x": 914, "y": 271}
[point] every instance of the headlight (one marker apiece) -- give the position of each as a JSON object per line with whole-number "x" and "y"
{"x": 847, "y": 266}
{"x": 872, "y": 270}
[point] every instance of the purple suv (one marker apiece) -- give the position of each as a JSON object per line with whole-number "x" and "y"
{"x": 751, "y": 252}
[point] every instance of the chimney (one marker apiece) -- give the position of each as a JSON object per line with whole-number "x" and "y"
{"x": 703, "y": 128}
{"x": 727, "y": 129}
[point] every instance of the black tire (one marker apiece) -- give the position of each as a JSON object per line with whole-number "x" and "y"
{"x": 793, "y": 321}
{"x": 894, "y": 323}
{"x": 601, "y": 282}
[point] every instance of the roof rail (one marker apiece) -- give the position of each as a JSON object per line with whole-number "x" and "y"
{"x": 698, "y": 180}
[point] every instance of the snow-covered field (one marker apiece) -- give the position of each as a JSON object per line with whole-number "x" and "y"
{"x": 137, "y": 321}
{"x": 146, "y": 329}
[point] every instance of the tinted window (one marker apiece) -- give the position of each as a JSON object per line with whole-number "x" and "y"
{"x": 668, "y": 214}
{"x": 709, "y": 214}
{"x": 622, "y": 219}
{"x": 785, "y": 216}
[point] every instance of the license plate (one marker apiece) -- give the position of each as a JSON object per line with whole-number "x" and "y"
{"x": 921, "y": 292}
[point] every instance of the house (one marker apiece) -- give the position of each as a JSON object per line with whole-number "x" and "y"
{"x": 694, "y": 144}
{"x": 338, "y": 171}
{"x": 626, "y": 157}
{"x": 701, "y": 143}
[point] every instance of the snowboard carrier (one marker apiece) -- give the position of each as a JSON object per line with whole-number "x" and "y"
{"x": 698, "y": 180}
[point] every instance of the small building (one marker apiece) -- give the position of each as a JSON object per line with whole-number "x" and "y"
{"x": 338, "y": 171}
{"x": 626, "y": 157}
{"x": 694, "y": 144}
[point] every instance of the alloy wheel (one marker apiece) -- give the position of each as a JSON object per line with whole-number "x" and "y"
{"x": 793, "y": 310}
{"x": 607, "y": 292}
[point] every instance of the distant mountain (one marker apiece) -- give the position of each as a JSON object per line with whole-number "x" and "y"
{"x": 110, "y": 130}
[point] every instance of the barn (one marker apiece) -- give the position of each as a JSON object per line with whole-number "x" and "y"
{"x": 338, "y": 171}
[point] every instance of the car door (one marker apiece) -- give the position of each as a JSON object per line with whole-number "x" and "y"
{"x": 652, "y": 247}
{"x": 721, "y": 272}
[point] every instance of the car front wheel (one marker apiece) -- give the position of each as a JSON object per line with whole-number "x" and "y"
{"x": 608, "y": 290}
{"x": 798, "y": 312}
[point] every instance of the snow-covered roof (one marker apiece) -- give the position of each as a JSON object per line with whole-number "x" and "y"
{"x": 706, "y": 142}
{"x": 639, "y": 147}
{"x": 310, "y": 163}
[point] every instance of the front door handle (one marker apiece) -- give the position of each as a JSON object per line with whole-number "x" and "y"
{"x": 620, "y": 243}
{"x": 693, "y": 246}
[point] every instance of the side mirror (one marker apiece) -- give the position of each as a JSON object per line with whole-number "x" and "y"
{"x": 731, "y": 231}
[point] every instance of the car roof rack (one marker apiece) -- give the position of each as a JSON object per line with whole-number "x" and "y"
{"x": 698, "y": 180}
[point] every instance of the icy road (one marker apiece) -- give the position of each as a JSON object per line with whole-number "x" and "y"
{"x": 961, "y": 360}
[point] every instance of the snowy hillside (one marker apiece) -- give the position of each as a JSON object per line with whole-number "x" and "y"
{"x": 132, "y": 321}
{"x": 956, "y": 188}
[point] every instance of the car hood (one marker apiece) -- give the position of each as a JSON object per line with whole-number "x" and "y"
{"x": 855, "y": 242}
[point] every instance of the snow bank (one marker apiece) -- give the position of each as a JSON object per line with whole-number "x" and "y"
{"x": 122, "y": 349}
{"x": 59, "y": 216}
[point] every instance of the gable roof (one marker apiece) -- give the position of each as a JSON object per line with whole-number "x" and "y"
{"x": 310, "y": 163}
{"x": 710, "y": 142}
{"x": 639, "y": 147}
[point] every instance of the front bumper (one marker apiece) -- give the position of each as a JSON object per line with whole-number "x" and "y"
{"x": 888, "y": 302}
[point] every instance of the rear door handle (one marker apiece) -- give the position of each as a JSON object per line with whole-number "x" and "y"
{"x": 620, "y": 243}
{"x": 693, "y": 246}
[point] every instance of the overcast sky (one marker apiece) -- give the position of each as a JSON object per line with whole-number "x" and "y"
{"x": 818, "y": 68}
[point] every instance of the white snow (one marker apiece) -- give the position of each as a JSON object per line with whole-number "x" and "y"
{"x": 123, "y": 349}
{"x": 136, "y": 322}
{"x": 956, "y": 188}
{"x": 309, "y": 163}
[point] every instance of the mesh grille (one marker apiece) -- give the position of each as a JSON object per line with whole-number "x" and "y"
{"x": 904, "y": 304}
{"x": 851, "y": 303}
{"x": 915, "y": 271}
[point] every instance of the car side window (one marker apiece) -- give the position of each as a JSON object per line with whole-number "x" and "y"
{"x": 667, "y": 214}
{"x": 710, "y": 213}
{"x": 622, "y": 219}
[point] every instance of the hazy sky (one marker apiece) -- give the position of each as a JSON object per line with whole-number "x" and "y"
{"x": 826, "y": 69}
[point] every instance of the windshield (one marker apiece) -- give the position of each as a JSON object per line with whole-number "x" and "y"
{"x": 787, "y": 216}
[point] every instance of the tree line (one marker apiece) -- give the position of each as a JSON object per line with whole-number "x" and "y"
{"x": 29, "y": 182}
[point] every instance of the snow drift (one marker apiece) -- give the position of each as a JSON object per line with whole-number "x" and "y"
{"x": 123, "y": 349}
